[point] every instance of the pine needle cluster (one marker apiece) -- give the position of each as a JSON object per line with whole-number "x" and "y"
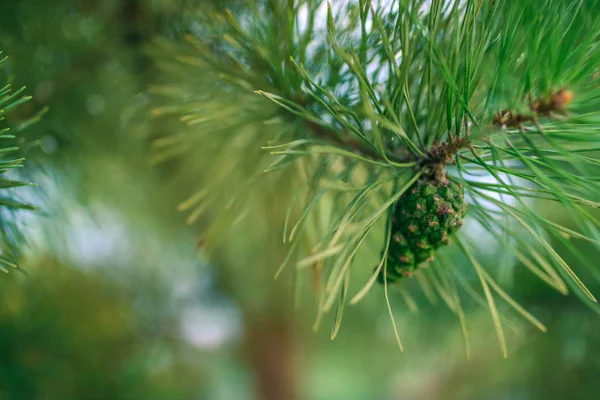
{"x": 11, "y": 238}
{"x": 354, "y": 102}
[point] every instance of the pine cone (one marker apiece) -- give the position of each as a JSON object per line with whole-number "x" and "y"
{"x": 424, "y": 218}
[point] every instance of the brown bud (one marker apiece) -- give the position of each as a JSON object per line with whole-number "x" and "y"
{"x": 562, "y": 98}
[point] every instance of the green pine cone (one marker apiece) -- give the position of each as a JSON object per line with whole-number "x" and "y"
{"x": 423, "y": 220}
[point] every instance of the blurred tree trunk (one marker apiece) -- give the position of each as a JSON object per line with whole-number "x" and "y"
{"x": 270, "y": 351}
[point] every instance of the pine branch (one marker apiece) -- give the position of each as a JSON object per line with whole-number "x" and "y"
{"x": 382, "y": 98}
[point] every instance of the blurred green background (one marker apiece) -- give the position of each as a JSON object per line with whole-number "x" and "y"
{"x": 119, "y": 303}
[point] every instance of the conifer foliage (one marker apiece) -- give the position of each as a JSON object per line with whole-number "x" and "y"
{"x": 10, "y": 235}
{"x": 388, "y": 117}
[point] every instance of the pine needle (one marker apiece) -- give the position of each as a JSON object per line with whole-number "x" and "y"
{"x": 490, "y": 298}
